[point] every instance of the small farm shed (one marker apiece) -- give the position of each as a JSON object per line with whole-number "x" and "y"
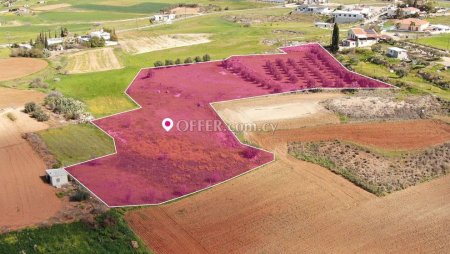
{"x": 398, "y": 53}
{"x": 57, "y": 177}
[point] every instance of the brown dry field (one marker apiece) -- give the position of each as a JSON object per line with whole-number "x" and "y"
{"x": 143, "y": 42}
{"x": 50, "y": 7}
{"x": 185, "y": 11}
{"x": 292, "y": 206}
{"x": 17, "y": 67}
{"x": 25, "y": 199}
{"x": 16, "y": 98}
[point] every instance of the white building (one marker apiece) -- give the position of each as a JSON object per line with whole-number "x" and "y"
{"x": 347, "y": 16}
{"x": 324, "y": 25}
{"x": 55, "y": 41}
{"x": 25, "y": 46}
{"x": 316, "y": 9}
{"x": 359, "y": 37}
{"x": 101, "y": 34}
{"x": 438, "y": 29}
{"x": 408, "y": 11}
{"x": 316, "y": 2}
{"x": 163, "y": 17}
{"x": 57, "y": 177}
{"x": 398, "y": 53}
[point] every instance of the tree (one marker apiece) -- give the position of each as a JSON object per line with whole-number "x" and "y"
{"x": 113, "y": 35}
{"x": 335, "y": 39}
{"x": 178, "y": 61}
{"x": 188, "y": 60}
{"x": 206, "y": 58}
{"x": 197, "y": 59}
{"x": 168, "y": 62}
{"x": 401, "y": 72}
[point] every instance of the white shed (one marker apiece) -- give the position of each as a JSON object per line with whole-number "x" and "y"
{"x": 399, "y": 53}
{"x": 57, "y": 177}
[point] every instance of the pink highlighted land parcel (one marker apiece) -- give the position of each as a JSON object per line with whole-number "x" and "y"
{"x": 152, "y": 166}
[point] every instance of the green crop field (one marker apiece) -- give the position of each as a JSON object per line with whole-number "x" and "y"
{"x": 77, "y": 143}
{"x": 110, "y": 234}
{"x": 439, "y": 41}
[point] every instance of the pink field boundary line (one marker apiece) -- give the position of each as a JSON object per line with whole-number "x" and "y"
{"x": 282, "y": 52}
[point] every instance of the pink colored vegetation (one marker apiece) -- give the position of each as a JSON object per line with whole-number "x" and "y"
{"x": 153, "y": 166}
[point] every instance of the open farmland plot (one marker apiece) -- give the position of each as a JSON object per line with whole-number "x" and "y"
{"x": 12, "y": 68}
{"x": 294, "y": 206}
{"x": 153, "y": 166}
{"x": 93, "y": 60}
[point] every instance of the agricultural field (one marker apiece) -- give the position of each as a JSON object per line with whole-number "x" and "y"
{"x": 292, "y": 194}
{"x": 93, "y": 61}
{"x": 347, "y": 154}
{"x": 21, "y": 168}
{"x": 239, "y": 77}
{"x": 13, "y": 68}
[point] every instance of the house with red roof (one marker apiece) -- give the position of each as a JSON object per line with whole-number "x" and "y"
{"x": 360, "y": 37}
{"x": 412, "y": 24}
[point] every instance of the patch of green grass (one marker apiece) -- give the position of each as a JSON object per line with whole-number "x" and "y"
{"x": 142, "y": 8}
{"x": 438, "y": 41}
{"x": 110, "y": 234}
{"x": 4, "y": 52}
{"x": 76, "y": 143}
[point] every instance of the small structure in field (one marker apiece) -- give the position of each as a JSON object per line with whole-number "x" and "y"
{"x": 347, "y": 16}
{"x": 398, "y": 53}
{"x": 324, "y": 25}
{"x": 409, "y": 11}
{"x": 162, "y": 18}
{"x": 101, "y": 34}
{"x": 438, "y": 29}
{"x": 57, "y": 177}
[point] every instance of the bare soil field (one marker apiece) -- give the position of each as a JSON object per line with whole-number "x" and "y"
{"x": 400, "y": 135}
{"x": 293, "y": 206}
{"x": 12, "y": 68}
{"x": 15, "y": 98}
{"x": 185, "y": 11}
{"x": 288, "y": 110}
{"x": 25, "y": 198}
{"x": 93, "y": 60}
{"x": 138, "y": 42}
{"x": 51, "y": 7}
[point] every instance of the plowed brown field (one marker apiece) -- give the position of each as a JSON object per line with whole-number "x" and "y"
{"x": 25, "y": 199}
{"x": 402, "y": 135}
{"x": 291, "y": 206}
{"x": 12, "y": 68}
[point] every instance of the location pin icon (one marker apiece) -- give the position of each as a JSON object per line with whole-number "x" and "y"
{"x": 167, "y": 124}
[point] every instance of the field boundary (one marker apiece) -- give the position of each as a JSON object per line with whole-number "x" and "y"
{"x": 282, "y": 52}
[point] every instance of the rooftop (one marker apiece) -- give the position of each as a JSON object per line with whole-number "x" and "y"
{"x": 56, "y": 172}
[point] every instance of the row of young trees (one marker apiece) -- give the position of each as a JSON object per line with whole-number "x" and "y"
{"x": 188, "y": 60}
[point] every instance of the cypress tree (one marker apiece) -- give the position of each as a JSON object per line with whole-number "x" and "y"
{"x": 335, "y": 39}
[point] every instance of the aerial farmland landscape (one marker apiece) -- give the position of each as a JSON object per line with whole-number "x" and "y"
{"x": 224, "y": 126}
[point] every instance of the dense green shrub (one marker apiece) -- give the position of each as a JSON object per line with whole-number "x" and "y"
{"x": 71, "y": 109}
{"x": 197, "y": 59}
{"x": 30, "y": 107}
{"x": 80, "y": 195}
{"x": 206, "y": 58}
{"x": 158, "y": 64}
{"x": 188, "y": 60}
{"x": 40, "y": 115}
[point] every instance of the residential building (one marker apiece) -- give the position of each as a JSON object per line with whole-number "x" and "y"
{"x": 411, "y": 24}
{"x": 359, "y": 37}
{"x": 398, "y": 53}
{"x": 347, "y": 16}
{"x": 55, "y": 41}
